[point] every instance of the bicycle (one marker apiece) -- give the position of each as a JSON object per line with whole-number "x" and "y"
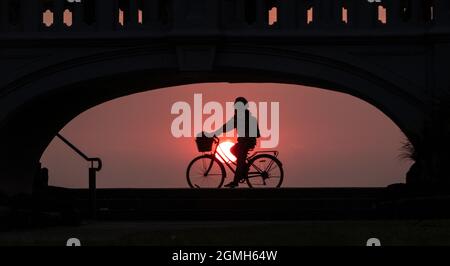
{"x": 264, "y": 169}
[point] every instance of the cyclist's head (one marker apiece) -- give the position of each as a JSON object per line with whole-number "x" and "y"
{"x": 241, "y": 101}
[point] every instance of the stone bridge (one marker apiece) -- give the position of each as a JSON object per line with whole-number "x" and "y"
{"x": 60, "y": 57}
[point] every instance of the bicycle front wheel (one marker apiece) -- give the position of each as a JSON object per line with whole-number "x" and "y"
{"x": 265, "y": 170}
{"x": 205, "y": 172}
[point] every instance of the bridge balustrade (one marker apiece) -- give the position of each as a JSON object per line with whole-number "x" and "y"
{"x": 253, "y": 16}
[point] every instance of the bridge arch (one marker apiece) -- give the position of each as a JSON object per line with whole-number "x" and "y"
{"x": 39, "y": 104}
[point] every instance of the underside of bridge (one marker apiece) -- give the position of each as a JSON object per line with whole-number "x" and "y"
{"x": 52, "y": 74}
{"x": 47, "y": 106}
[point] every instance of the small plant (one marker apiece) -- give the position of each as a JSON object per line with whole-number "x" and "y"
{"x": 408, "y": 152}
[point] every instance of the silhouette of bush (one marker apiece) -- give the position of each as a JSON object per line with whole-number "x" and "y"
{"x": 408, "y": 151}
{"x": 430, "y": 152}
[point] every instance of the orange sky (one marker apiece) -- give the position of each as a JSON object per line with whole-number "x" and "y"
{"x": 327, "y": 139}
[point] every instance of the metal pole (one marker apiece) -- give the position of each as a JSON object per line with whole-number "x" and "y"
{"x": 96, "y": 166}
{"x": 93, "y": 192}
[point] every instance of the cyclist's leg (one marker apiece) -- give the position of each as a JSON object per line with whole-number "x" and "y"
{"x": 237, "y": 150}
{"x": 240, "y": 150}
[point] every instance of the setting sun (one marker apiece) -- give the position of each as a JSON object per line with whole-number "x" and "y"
{"x": 225, "y": 151}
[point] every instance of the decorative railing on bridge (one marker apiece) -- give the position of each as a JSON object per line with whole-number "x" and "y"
{"x": 160, "y": 16}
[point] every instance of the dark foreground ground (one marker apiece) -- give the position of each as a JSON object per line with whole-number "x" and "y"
{"x": 239, "y": 233}
{"x": 397, "y": 215}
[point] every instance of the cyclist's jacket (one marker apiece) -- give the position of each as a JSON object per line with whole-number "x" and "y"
{"x": 245, "y": 124}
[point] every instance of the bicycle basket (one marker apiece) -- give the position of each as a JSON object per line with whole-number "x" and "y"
{"x": 204, "y": 144}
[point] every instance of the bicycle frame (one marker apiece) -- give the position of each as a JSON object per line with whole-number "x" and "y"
{"x": 227, "y": 161}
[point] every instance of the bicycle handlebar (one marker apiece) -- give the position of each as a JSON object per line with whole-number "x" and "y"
{"x": 214, "y": 137}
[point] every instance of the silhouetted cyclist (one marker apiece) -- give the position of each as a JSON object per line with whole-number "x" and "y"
{"x": 248, "y": 131}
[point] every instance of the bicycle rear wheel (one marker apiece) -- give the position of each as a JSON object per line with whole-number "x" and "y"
{"x": 265, "y": 170}
{"x": 205, "y": 172}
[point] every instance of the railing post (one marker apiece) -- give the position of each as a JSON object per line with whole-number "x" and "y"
{"x": 393, "y": 12}
{"x": 30, "y": 14}
{"x": 150, "y": 12}
{"x": 405, "y": 13}
{"x": 417, "y": 12}
{"x": 213, "y": 14}
{"x": 338, "y": 11}
{"x": 232, "y": 14}
{"x": 3, "y": 15}
{"x": 302, "y": 15}
{"x": 92, "y": 192}
{"x": 196, "y": 14}
{"x": 442, "y": 12}
{"x": 12, "y": 15}
{"x": 180, "y": 9}
{"x": 133, "y": 14}
{"x": 240, "y": 13}
{"x": 324, "y": 13}
{"x": 262, "y": 14}
{"x": 58, "y": 14}
{"x": 363, "y": 14}
{"x": 287, "y": 14}
{"x": 78, "y": 15}
{"x": 107, "y": 13}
